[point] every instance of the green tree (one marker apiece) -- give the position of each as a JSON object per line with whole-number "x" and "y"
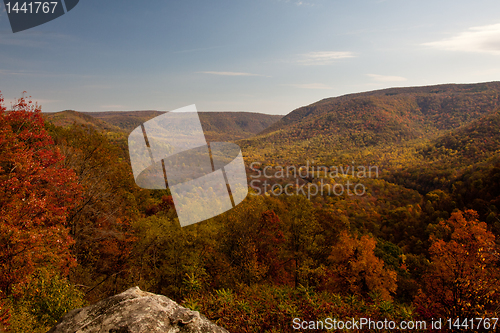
{"x": 43, "y": 301}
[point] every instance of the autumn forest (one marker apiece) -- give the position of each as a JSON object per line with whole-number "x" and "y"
{"x": 420, "y": 243}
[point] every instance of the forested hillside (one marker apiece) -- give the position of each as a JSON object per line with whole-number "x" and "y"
{"x": 69, "y": 117}
{"x": 332, "y": 127}
{"x": 218, "y": 126}
{"x": 419, "y": 242}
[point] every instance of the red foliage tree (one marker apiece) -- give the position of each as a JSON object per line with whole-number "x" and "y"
{"x": 36, "y": 194}
{"x": 269, "y": 240}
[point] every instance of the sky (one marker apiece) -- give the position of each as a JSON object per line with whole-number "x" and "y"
{"x": 268, "y": 56}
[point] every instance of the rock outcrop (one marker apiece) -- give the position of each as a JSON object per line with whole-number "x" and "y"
{"x": 135, "y": 311}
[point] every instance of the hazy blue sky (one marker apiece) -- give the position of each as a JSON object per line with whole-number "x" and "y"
{"x": 268, "y": 56}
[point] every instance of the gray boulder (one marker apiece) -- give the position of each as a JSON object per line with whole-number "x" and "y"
{"x": 135, "y": 311}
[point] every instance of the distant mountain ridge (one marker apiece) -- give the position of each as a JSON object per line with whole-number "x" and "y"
{"x": 426, "y": 94}
{"x": 337, "y": 129}
{"x": 126, "y": 120}
{"x": 218, "y": 126}
{"x": 375, "y": 118}
{"x": 68, "y": 117}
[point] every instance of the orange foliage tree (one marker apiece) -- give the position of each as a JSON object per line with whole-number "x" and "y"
{"x": 464, "y": 277}
{"x": 355, "y": 268}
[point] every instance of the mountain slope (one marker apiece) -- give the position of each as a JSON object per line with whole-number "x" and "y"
{"x": 68, "y": 117}
{"x": 333, "y": 126}
{"x": 126, "y": 120}
{"x": 441, "y": 162}
{"x": 228, "y": 126}
{"x": 218, "y": 126}
{"x": 471, "y": 142}
{"x": 432, "y": 101}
